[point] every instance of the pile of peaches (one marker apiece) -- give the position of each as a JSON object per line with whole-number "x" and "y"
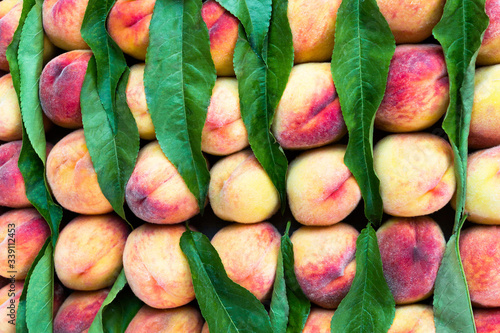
{"x": 412, "y": 159}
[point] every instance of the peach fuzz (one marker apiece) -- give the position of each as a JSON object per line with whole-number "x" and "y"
{"x": 72, "y": 178}
{"x": 417, "y": 91}
{"x": 224, "y": 132}
{"x": 416, "y": 173}
{"x": 483, "y": 181}
{"x": 31, "y": 231}
{"x": 10, "y": 117}
{"x": 308, "y": 114}
{"x": 487, "y": 320}
{"x": 485, "y": 117}
{"x": 136, "y": 101}
{"x": 240, "y": 190}
{"x": 9, "y": 301}
{"x": 411, "y": 250}
{"x": 12, "y": 189}
{"x": 324, "y": 262}
{"x": 10, "y": 12}
{"x": 185, "y": 319}
{"x": 156, "y": 192}
{"x": 313, "y": 29}
{"x": 60, "y": 85}
{"x": 249, "y": 253}
{"x": 415, "y": 318}
{"x": 411, "y": 21}
{"x": 78, "y": 311}
{"x": 321, "y": 189}
{"x": 318, "y": 321}
{"x": 480, "y": 254}
{"x": 62, "y": 21}
{"x": 156, "y": 268}
{"x": 489, "y": 53}
{"x": 89, "y": 250}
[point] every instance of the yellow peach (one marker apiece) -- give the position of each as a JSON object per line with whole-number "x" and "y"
{"x": 414, "y": 318}
{"x": 136, "y": 100}
{"x": 185, "y": 319}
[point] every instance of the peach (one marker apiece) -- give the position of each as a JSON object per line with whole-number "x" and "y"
{"x": 9, "y": 301}
{"x": 136, "y": 100}
{"x": 489, "y": 51}
{"x": 10, "y": 117}
{"x": 480, "y": 253}
{"x": 24, "y": 232}
{"x": 318, "y": 321}
{"x": 325, "y": 262}
{"x": 156, "y": 268}
{"x": 483, "y": 194}
{"x": 417, "y": 91}
{"x": 485, "y": 117}
{"x": 308, "y": 114}
{"x": 224, "y": 132}
{"x": 411, "y": 21}
{"x": 487, "y": 320}
{"x": 240, "y": 190}
{"x": 415, "y": 318}
{"x": 321, "y": 189}
{"x": 313, "y": 29}
{"x": 156, "y": 192}
{"x": 185, "y": 319}
{"x": 249, "y": 253}
{"x": 223, "y": 32}
{"x": 60, "y": 86}
{"x": 416, "y": 173}
{"x": 411, "y": 251}
{"x": 205, "y": 328}
{"x": 89, "y": 250}
{"x": 78, "y": 311}
{"x": 62, "y": 21}
{"x": 12, "y": 189}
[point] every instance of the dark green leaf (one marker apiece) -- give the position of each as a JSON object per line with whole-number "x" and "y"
{"x": 364, "y": 46}
{"x": 289, "y": 306}
{"x": 39, "y": 298}
{"x": 254, "y": 15}
{"x": 113, "y": 153}
{"x": 179, "y": 78}
{"x": 369, "y": 305}
{"x": 225, "y": 305}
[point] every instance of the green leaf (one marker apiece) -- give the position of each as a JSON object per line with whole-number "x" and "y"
{"x": 364, "y": 46}
{"x": 117, "y": 310}
{"x": 39, "y": 298}
{"x": 369, "y": 305}
{"x": 113, "y": 154}
{"x": 289, "y": 306}
{"x": 254, "y": 15}
{"x": 225, "y": 305}
{"x": 179, "y": 78}
{"x": 260, "y": 88}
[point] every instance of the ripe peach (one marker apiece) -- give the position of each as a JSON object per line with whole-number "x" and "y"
{"x": 240, "y": 190}
{"x": 487, "y": 320}
{"x": 321, "y": 189}
{"x": 72, "y": 178}
{"x": 9, "y": 301}
{"x": 156, "y": 192}
{"x": 89, "y": 250}
{"x": 62, "y": 21}
{"x": 78, "y": 311}
{"x": 224, "y": 132}
{"x": 156, "y": 268}
{"x": 60, "y": 86}
{"x": 411, "y": 251}
{"x": 249, "y": 253}
{"x": 480, "y": 253}
{"x": 313, "y": 29}
{"x": 489, "y": 51}
{"x": 417, "y": 91}
{"x": 308, "y": 114}
{"x": 485, "y": 117}
{"x": 12, "y": 189}
{"x": 185, "y": 319}
{"x": 411, "y": 21}
{"x": 25, "y": 232}
{"x": 324, "y": 262}
{"x": 318, "y": 321}
{"x": 416, "y": 173}
{"x": 10, "y": 117}
{"x": 415, "y": 318}
{"x": 136, "y": 100}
